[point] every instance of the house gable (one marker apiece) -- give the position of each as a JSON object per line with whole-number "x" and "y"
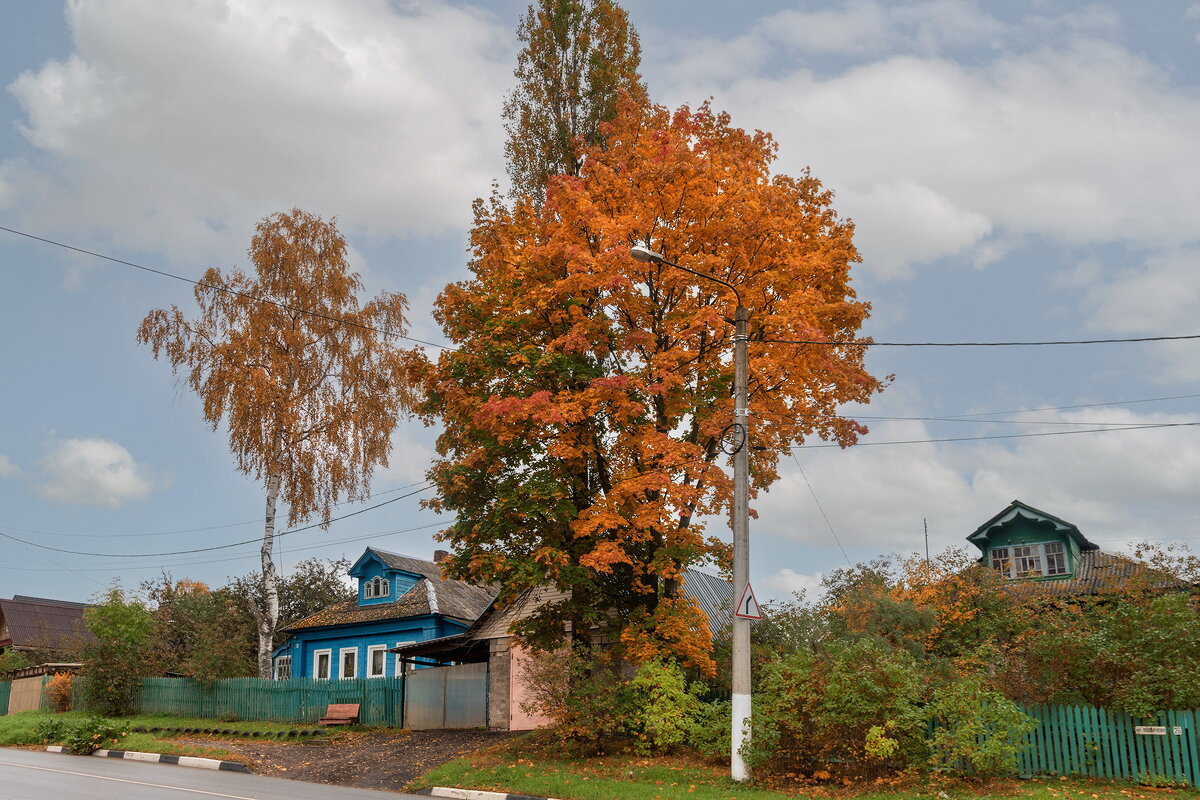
{"x": 1024, "y": 542}
{"x": 379, "y": 582}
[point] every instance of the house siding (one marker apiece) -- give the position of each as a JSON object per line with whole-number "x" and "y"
{"x": 305, "y": 643}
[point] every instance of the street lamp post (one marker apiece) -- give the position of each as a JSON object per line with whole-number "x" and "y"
{"x": 740, "y": 723}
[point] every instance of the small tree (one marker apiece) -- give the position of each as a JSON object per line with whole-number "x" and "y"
{"x": 977, "y": 731}
{"x": 115, "y": 659}
{"x": 307, "y": 378}
{"x": 579, "y": 56}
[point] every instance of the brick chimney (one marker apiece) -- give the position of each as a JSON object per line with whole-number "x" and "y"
{"x": 440, "y": 555}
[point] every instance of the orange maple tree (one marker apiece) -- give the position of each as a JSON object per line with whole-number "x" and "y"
{"x": 585, "y": 404}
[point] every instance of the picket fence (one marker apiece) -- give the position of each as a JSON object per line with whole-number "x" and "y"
{"x": 301, "y": 700}
{"x": 5, "y": 689}
{"x": 1094, "y": 742}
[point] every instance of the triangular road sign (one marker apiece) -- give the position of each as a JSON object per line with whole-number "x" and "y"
{"x": 747, "y": 607}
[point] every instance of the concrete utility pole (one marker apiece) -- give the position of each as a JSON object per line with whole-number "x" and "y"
{"x": 737, "y": 441}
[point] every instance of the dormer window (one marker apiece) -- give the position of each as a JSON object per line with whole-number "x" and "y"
{"x": 1030, "y": 560}
{"x": 377, "y": 587}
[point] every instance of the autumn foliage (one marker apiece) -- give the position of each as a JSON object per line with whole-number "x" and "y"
{"x": 307, "y": 378}
{"x": 585, "y": 403}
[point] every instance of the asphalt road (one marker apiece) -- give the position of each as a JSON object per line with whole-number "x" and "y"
{"x": 31, "y": 775}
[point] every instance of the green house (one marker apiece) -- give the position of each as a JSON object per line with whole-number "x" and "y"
{"x": 1044, "y": 555}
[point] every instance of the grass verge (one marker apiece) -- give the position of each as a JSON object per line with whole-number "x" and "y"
{"x": 663, "y": 778}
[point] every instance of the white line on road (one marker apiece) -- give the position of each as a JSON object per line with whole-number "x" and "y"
{"x": 123, "y": 780}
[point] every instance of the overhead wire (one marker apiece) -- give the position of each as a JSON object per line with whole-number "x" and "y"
{"x": 257, "y": 520}
{"x": 227, "y": 290}
{"x": 1003, "y": 436}
{"x": 823, "y": 342}
{"x": 214, "y": 547}
{"x": 821, "y": 508}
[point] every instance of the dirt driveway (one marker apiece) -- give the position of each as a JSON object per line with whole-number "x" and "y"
{"x": 368, "y": 760}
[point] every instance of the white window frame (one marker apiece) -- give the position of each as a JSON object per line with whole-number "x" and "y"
{"x": 371, "y": 651}
{"x": 342, "y": 663}
{"x": 1034, "y": 551}
{"x": 282, "y": 662}
{"x": 328, "y": 653}
{"x": 376, "y": 587}
{"x": 401, "y": 667}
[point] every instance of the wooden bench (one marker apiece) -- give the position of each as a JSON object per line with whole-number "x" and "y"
{"x": 341, "y": 714}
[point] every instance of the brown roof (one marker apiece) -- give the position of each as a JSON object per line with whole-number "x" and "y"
{"x": 453, "y": 599}
{"x": 36, "y": 622}
{"x": 1098, "y": 572}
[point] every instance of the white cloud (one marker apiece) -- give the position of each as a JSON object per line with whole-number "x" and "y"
{"x": 95, "y": 472}
{"x": 1051, "y": 133}
{"x": 7, "y": 468}
{"x": 786, "y": 582}
{"x": 1109, "y": 484}
{"x": 1160, "y": 295}
{"x": 177, "y": 124}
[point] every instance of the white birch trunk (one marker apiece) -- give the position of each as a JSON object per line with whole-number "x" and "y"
{"x": 268, "y": 616}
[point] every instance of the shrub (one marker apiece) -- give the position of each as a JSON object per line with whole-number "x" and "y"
{"x": 664, "y": 709}
{"x": 58, "y": 692}
{"x": 81, "y": 736}
{"x": 13, "y": 659}
{"x": 977, "y": 730}
{"x": 709, "y": 729}
{"x": 582, "y": 691}
{"x": 114, "y": 659}
{"x": 853, "y": 710}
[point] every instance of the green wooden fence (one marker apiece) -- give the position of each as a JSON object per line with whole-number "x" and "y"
{"x": 381, "y": 700}
{"x": 5, "y": 688}
{"x": 1093, "y": 742}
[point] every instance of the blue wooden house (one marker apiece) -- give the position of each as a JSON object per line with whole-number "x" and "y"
{"x": 400, "y": 600}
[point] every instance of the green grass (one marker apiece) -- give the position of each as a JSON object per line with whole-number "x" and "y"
{"x": 243, "y": 726}
{"x": 148, "y": 743}
{"x": 20, "y": 729}
{"x": 632, "y": 778}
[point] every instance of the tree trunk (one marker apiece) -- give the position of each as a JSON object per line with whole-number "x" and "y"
{"x": 269, "y": 613}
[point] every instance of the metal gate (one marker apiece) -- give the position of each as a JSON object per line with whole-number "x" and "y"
{"x": 446, "y": 697}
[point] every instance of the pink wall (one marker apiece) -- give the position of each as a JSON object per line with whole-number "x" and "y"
{"x": 518, "y": 720}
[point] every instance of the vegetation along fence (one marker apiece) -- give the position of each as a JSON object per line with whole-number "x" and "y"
{"x": 1093, "y": 742}
{"x": 381, "y": 700}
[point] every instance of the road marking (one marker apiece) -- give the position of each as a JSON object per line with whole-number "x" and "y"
{"x": 123, "y": 780}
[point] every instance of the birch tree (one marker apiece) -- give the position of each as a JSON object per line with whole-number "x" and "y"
{"x": 307, "y": 378}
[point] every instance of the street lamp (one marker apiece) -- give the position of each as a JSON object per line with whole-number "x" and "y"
{"x": 740, "y": 723}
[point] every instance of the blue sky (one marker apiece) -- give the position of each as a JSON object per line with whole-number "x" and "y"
{"x": 1016, "y": 171}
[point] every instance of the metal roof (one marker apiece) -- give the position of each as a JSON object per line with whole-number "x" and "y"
{"x": 37, "y": 622}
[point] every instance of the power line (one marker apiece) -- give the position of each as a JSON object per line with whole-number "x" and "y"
{"x": 824, "y": 342}
{"x": 257, "y": 520}
{"x": 1004, "y": 436}
{"x": 214, "y": 547}
{"x": 834, "y": 343}
{"x": 198, "y": 562}
{"x": 226, "y": 290}
{"x": 822, "y": 510}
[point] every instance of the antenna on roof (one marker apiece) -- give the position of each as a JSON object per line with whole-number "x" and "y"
{"x": 925, "y": 522}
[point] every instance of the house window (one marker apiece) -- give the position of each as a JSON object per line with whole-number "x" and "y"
{"x": 1030, "y": 560}
{"x": 376, "y": 660}
{"x": 349, "y": 662}
{"x": 377, "y": 587}
{"x": 401, "y": 667}
{"x": 283, "y": 668}
{"x": 1056, "y": 559}
{"x": 321, "y": 659}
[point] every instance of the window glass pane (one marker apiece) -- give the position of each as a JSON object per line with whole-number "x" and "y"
{"x": 1027, "y": 561}
{"x": 1056, "y": 559}
{"x": 349, "y": 663}
{"x": 323, "y": 666}
{"x": 1000, "y": 560}
{"x": 377, "y": 662}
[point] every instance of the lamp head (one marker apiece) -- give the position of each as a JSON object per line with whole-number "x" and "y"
{"x": 645, "y": 254}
